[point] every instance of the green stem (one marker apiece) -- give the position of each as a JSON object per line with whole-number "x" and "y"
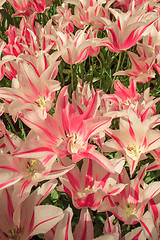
{"x": 92, "y": 70}
{"x": 10, "y": 122}
{"x": 118, "y": 65}
{"x": 128, "y": 228}
{"x": 71, "y": 68}
{"x": 100, "y": 81}
{"x": 100, "y": 63}
{"x": 61, "y": 75}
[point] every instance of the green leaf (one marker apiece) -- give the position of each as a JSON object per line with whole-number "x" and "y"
{"x": 54, "y": 195}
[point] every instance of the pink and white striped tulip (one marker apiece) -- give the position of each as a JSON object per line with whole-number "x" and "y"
{"x": 67, "y": 133}
{"x": 29, "y": 218}
{"x": 133, "y": 139}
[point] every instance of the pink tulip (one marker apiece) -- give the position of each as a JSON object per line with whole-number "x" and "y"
{"x": 63, "y": 230}
{"x": 63, "y": 19}
{"x": 82, "y": 96}
{"x": 133, "y": 139}
{"x": 85, "y": 12}
{"x": 29, "y": 6}
{"x": 93, "y": 183}
{"x": 142, "y": 70}
{"x": 123, "y": 97}
{"x": 68, "y": 133}
{"x": 129, "y": 205}
{"x": 31, "y": 91}
{"x": 73, "y": 48}
{"x": 29, "y": 218}
{"x": 24, "y": 173}
{"x": 126, "y": 31}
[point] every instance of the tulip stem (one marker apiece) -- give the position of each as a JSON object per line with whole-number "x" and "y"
{"x": 100, "y": 63}
{"x": 71, "y": 68}
{"x": 61, "y": 75}
{"x": 128, "y": 228}
{"x": 119, "y": 60}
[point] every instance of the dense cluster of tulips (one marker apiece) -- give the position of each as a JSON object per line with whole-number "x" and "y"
{"x": 101, "y": 147}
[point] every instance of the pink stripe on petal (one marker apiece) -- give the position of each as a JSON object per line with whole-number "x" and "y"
{"x": 47, "y": 220}
{"x": 31, "y": 223}
{"x": 38, "y": 150}
{"x": 99, "y": 141}
{"x": 114, "y": 38}
{"x": 10, "y": 205}
{"x": 44, "y": 196}
{"x": 23, "y": 187}
{"x": 84, "y": 229}
{"x": 136, "y": 193}
{"x": 131, "y": 131}
{"x": 111, "y": 202}
{"x": 153, "y": 142}
{"x": 91, "y": 3}
{"x": 155, "y": 192}
{"x": 53, "y": 171}
{"x": 9, "y": 169}
{"x": 103, "y": 181}
{"x": 137, "y": 236}
{"x": 116, "y": 139}
{"x": 114, "y": 191}
{"x": 133, "y": 165}
{"x": 153, "y": 167}
{"x": 144, "y": 144}
{"x": 67, "y": 228}
{"x": 2, "y": 185}
{"x": 74, "y": 180}
{"x": 45, "y": 130}
{"x": 144, "y": 225}
{"x": 46, "y": 160}
{"x": 154, "y": 209}
{"x": 88, "y": 177}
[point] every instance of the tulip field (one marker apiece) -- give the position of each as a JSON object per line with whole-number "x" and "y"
{"x": 80, "y": 119}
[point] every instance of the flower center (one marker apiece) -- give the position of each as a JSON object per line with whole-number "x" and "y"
{"x": 74, "y": 144}
{"x": 41, "y": 102}
{"x": 128, "y": 101}
{"x": 87, "y": 188}
{"x": 14, "y": 233}
{"x": 134, "y": 151}
{"x": 34, "y": 166}
{"x": 130, "y": 209}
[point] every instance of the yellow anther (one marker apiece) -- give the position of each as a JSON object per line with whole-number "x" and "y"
{"x": 41, "y": 102}
{"x": 87, "y": 188}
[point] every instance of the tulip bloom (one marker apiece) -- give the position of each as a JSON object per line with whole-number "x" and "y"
{"x": 133, "y": 139}
{"x": 24, "y": 173}
{"x": 94, "y": 182}
{"x": 63, "y": 230}
{"x": 31, "y": 91}
{"x": 126, "y": 31}
{"x": 29, "y": 6}
{"x": 29, "y": 218}
{"x": 67, "y": 133}
{"x": 141, "y": 71}
{"x": 129, "y": 205}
